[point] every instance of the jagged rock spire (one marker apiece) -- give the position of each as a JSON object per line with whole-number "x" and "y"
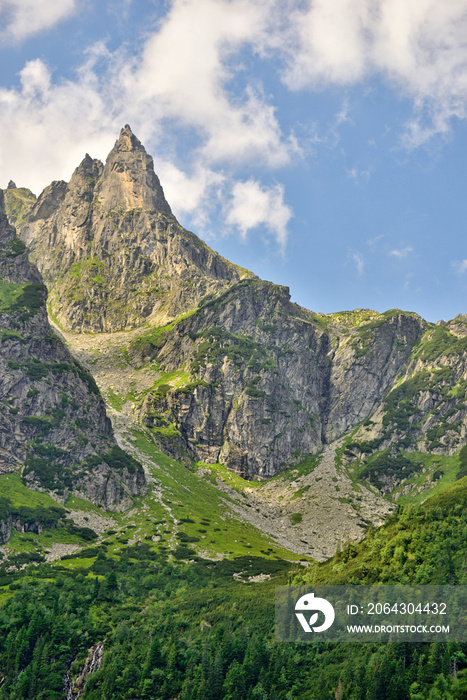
{"x": 14, "y": 263}
{"x": 128, "y": 180}
{"x": 127, "y": 141}
{"x": 109, "y": 239}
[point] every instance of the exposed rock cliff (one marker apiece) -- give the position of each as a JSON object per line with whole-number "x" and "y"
{"x": 18, "y": 203}
{"x": 425, "y": 411}
{"x": 110, "y": 250}
{"x": 27, "y": 519}
{"x": 53, "y": 425}
{"x": 265, "y": 383}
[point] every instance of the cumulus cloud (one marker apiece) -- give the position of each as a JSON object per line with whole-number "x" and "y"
{"x": 252, "y": 205}
{"x": 197, "y": 194}
{"x": 327, "y": 43}
{"x": 23, "y": 18}
{"x": 184, "y": 74}
{"x": 418, "y": 46}
{"x": 35, "y": 79}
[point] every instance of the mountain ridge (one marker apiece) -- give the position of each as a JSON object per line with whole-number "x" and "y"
{"x": 241, "y": 375}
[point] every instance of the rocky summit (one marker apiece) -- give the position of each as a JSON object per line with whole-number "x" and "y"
{"x": 111, "y": 252}
{"x": 53, "y": 423}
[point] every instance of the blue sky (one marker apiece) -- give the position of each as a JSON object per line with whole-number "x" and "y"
{"x": 320, "y": 143}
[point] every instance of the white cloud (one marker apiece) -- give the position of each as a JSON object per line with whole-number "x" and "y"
{"x": 418, "y": 46}
{"x": 185, "y": 71}
{"x": 197, "y": 194}
{"x": 342, "y": 115}
{"x": 253, "y": 205}
{"x": 358, "y": 175}
{"x": 460, "y": 266}
{"x": 22, "y": 18}
{"x": 35, "y": 78}
{"x": 329, "y": 43}
{"x": 401, "y": 252}
{"x": 373, "y": 242}
{"x": 358, "y": 260}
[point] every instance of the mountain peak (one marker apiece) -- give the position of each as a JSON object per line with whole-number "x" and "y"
{"x": 88, "y": 168}
{"x": 128, "y": 179}
{"x": 108, "y": 238}
{"x": 127, "y": 141}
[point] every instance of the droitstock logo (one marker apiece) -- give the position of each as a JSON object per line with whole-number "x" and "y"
{"x": 392, "y": 613}
{"x": 308, "y": 603}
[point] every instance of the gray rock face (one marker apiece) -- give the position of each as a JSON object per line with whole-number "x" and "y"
{"x": 5, "y": 529}
{"x": 129, "y": 180}
{"x": 53, "y": 424}
{"x": 362, "y": 376}
{"x": 426, "y": 411}
{"x": 111, "y": 252}
{"x": 12, "y": 521}
{"x": 268, "y": 385}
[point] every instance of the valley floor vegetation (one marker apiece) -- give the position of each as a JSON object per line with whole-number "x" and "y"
{"x": 187, "y": 629}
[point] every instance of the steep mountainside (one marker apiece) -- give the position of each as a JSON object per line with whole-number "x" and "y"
{"x": 112, "y": 253}
{"x": 425, "y": 412}
{"x": 238, "y": 374}
{"x": 53, "y": 425}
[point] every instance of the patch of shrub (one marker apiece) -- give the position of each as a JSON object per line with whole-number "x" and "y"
{"x": 11, "y": 335}
{"x": 16, "y": 247}
{"x": 183, "y": 537}
{"x": 32, "y": 298}
{"x": 296, "y": 518}
{"x": 85, "y": 533}
{"x": 184, "y": 553}
{"x": 398, "y": 467}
